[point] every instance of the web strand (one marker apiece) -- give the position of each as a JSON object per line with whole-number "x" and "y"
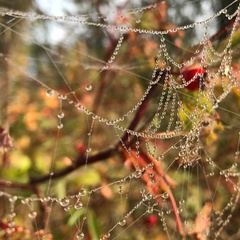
{"x": 120, "y": 131}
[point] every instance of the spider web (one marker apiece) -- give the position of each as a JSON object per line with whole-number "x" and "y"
{"x": 111, "y": 142}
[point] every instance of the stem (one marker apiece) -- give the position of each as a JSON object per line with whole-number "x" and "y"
{"x": 10, "y": 184}
{"x": 80, "y": 161}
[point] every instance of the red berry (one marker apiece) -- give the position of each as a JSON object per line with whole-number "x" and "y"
{"x": 197, "y": 73}
{"x": 4, "y": 225}
{"x": 80, "y": 147}
{"x": 46, "y": 112}
{"x": 151, "y": 220}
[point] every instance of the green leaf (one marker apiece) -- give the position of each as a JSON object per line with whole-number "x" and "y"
{"x": 89, "y": 177}
{"x": 61, "y": 189}
{"x": 21, "y": 162}
{"x": 93, "y": 226}
{"x": 235, "y": 39}
{"x": 75, "y": 216}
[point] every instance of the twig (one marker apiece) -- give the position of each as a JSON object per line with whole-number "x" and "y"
{"x": 223, "y": 30}
{"x": 43, "y": 206}
{"x": 165, "y": 183}
{"x": 140, "y": 112}
{"x": 80, "y": 161}
{"x": 10, "y": 184}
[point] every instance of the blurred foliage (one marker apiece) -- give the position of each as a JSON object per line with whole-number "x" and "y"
{"x": 74, "y": 63}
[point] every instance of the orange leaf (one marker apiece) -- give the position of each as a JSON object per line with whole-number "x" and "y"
{"x": 202, "y": 222}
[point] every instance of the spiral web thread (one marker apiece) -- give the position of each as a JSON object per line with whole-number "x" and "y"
{"x": 165, "y": 165}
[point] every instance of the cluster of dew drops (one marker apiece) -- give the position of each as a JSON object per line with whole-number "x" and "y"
{"x": 51, "y": 93}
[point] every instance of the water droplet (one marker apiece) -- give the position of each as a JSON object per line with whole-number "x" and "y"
{"x": 160, "y": 158}
{"x": 142, "y": 191}
{"x": 149, "y": 196}
{"x": 12, "y": 224}
{"x": 50, "y": 93}
{"x": 80, "y": 235}
{"x": 164, "y": 195}
{"x": 150, "y": 210}
{"x": 151, "y": 175}
{"x": 64, "y": 202}
{"x": 82, "y": 192}
{"x": 60, "y": 126}
{"x": 61, "y": 115}
{"x": 89, "y": 87}
{"x": 122, "y": 222}
{"x": 12, "y": 215}
{"x": 161, "y": 213}
{"x": 181, "y": 202}
{"x": 32, "y": 214}
{"x": 78, "y": 205}
{"x": 67, "y": 209}
{"x": 224, "y": 11}
{"x": 138, "y": 174}
{"x": 46, "y": 199}
{"x": 88, "y": 150}
{"x": 62, "y": 97}
{"x": 107, "y": 235}
{"x": 25, "y": 201}
{"x": 12, "y": 199}
{"x": 120, "y": 190}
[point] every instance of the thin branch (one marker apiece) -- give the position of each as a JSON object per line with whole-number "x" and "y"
{"x": 225, "y": 29}
{"x": 164, "y": 181}
{"x": 10, "y": 184}
{"x": 140, "y": 112}
{"x": 80, "y": 161}
{"x": 43, "y": 207}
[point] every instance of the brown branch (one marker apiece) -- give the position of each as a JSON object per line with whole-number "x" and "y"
{"x": 80, "y": 161}
{"x": 165, "y": 183}
{"x": 43, "y": 207}
{"x": 10, "y": 184}
{"x": 225, "y": 29}
{"x": 141, "y": 110}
